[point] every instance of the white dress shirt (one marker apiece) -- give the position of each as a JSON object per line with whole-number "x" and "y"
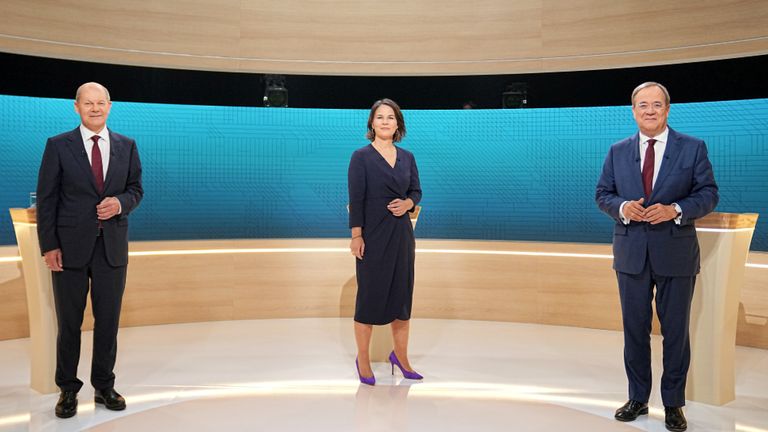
{"x": 658, "y": 152}
{"x": 658, "y": 149}
{"x": 103, "y": 146}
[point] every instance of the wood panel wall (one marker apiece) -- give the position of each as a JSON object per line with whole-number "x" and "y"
{"x": 397, "y": 37}
{"x": 566, "y": 291}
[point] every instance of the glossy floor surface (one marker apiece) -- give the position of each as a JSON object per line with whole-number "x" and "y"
{"x": 298, "y": 375}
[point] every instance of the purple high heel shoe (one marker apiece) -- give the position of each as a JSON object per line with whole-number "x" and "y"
{"x": 407, "y": 374}
{"x": 365, "y": 380}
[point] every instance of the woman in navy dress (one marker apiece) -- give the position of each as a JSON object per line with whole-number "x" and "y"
{"x": 383, "y": 188}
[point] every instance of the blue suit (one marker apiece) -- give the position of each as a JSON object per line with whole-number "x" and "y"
{"x": 665, "y": 255}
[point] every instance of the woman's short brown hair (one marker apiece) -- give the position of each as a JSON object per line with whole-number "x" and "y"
{"x": 400, "y": 132}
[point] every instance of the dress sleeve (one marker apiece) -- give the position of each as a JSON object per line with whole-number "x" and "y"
{"x": 414, "y": 189}
{"x": 356, "y": 186}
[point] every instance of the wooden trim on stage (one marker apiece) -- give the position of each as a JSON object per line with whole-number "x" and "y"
{"x": 565, "y": 284}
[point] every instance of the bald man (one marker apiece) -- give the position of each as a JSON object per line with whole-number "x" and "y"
{"x": 89, "y": 182}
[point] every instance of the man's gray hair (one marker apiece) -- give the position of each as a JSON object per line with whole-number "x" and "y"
{"x": 650, "y": 84}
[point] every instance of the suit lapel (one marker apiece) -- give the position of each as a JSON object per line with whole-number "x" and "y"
{"x": 115, "y": 157}
{"x": 634, "y": 164}
{"x": 671, "y": 152}
{"x": 77, "y": 147}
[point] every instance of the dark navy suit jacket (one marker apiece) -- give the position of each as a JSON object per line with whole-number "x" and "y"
{"x": 685, "y": 178}
{"x": 67, "y": 198}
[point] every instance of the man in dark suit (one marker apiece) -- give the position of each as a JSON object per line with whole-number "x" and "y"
{"x": 89, "y": 182}
{"x": 655, "y": 184}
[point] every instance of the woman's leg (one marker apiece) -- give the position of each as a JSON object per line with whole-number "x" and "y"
{"x": 400, "y": 330}
{"x": 363, "y": 340}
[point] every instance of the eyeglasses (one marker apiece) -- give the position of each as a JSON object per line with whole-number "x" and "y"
{"x": 644, "y": 106}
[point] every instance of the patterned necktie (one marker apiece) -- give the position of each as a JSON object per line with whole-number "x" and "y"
{"x": 648, "y": 163}
{"x": 96, "y": 165}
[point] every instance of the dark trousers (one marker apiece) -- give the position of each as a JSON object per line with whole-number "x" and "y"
{"x": 70, "y": 291}
{"x": 673, "y": 306}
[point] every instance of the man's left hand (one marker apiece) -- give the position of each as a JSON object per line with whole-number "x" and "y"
{"x": 659, "y": 213}
{"x": 108, "y": 208}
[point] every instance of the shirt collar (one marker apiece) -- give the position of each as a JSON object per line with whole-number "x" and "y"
{"x": 87, "y": 133}
{"x": 662, "y": 137}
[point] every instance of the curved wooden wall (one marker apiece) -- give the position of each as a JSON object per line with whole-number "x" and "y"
{"x": 397, "y": 37}
{"x": 462, "y": 284}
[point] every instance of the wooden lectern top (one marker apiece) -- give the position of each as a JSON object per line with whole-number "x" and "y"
{"x": 415, "y": 214}
{"x": 728, "y": 220}
{"x": 24, "y": 215}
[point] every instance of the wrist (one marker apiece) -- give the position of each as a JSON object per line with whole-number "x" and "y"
{"x": 676, "y": 209}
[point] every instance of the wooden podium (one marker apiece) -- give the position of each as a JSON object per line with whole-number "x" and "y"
{"x": 42, "y": 312}
{"x": 724, "y": 240}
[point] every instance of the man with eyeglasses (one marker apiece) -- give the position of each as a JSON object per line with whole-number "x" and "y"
{"x": 655, "y": 184}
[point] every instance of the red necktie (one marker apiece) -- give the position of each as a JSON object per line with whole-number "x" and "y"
{"x": 648, "y": 163}
{"x": 96, "y": 166}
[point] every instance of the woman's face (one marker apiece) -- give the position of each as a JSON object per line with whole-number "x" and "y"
{"x": 384, "y": 122}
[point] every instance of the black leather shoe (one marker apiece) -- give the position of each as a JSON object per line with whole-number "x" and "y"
{"x": 674, "y": 419}
{"x": 66, "y": 407}
{"x": 110, "y": 399}
{"x": 630, "y": 411}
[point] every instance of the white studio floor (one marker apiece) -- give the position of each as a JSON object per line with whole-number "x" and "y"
{"x": 299, "y": 375}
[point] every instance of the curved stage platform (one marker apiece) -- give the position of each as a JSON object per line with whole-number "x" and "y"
{"x": 298, "y": 375}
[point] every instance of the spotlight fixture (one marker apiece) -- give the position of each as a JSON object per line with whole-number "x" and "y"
{"x": 275, "y": 92}
{"x": 515, "y": 96}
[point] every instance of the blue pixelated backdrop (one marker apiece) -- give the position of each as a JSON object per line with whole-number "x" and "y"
{"x": 243, "y": 172}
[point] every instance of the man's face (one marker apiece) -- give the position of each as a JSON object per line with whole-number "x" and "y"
{"x": 93, "y": 107}
{"x": 650, "y": 110}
